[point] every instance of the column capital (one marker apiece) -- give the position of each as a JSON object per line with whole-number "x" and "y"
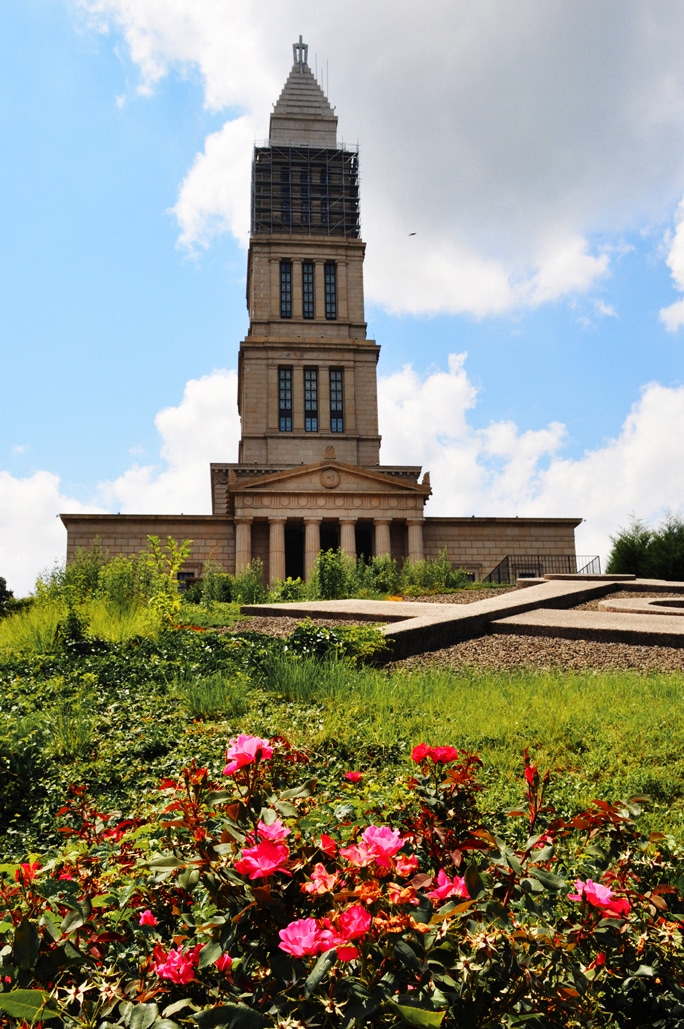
{"x": 313, "y": 521}
{"x": 243, "y": 519}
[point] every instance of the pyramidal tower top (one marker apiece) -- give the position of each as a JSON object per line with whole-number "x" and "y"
{"x": 302, "y": 115}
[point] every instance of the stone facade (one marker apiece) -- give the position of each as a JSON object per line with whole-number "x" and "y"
{"x": 308, "y": 475}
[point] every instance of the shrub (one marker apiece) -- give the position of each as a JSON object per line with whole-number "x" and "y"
{"x": 259, "y": 903}
{"x": 288, "y": 589}
{"x": 649, "y": 553}
{"x": 248, "y": 586}
{"x": 431, "y": 575}
{"x": 330, "y": 579}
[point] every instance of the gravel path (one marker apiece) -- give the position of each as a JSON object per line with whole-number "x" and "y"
{"x": 504, "y": 651}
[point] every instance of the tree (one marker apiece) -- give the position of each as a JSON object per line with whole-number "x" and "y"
{"x": 630, "y": 550}
{"x": 5, "y": 596}
{"x": 649, "y": 553}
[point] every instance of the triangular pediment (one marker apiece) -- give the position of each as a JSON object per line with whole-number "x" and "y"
{"x": 328, "y": 477}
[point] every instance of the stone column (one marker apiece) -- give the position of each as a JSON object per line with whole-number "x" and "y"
{"x": 415, "y": 539}
{"x": 243, "y": 544}
{"x": 382, "y": 537}
{"x": 276, "y": 549}
{"x": 312, "y": 544}
{"x": 348, "y": 536}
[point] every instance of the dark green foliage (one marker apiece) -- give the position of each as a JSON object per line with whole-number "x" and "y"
{"x": 649, "y": 553}
{"x": 5, "y": 596}
{"x": 331, "y": 575}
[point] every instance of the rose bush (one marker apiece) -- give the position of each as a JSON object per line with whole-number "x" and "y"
{"x": 254, "y": 902}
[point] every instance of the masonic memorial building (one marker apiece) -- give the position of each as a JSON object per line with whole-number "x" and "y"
{"x": 308, "y": 475}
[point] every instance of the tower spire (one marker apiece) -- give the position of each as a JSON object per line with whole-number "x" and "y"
{"x": 300, "y": 53}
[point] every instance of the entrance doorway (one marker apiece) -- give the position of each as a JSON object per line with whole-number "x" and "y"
{"x": 364, "y": 540}
{"x": 330, "y": 535}
{"x": 294, "y": 551}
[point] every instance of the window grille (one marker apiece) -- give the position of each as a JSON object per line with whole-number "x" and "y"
{"x": 336, "y": 400}
{"x": 286, "y": 289}
{"x": 285, "y": 399}
{"x": 308, "y": 289}
{"x": 330, "y": 292}
{"x": 311, "y": 399}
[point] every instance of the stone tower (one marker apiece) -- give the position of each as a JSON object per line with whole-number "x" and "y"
{"x": 307, "y": 377}
{"x": 308, "y": 475}
{"x": 309, "y": 456}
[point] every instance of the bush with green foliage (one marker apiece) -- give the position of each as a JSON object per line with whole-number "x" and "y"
{"x": 649, "y": 553}
{"x": 266, "y": 901}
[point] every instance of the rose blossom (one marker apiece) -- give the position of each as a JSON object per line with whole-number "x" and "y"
{"x": 600, "y": 897}
{"x": 447, "y": 887}
{"x": 276, "y": 831}
{"x": 438, "y": 755}
{"x": 354, "y": 922}
{"x": 301, "y": 937}
{"x": 244, "y": 750}
{"x": 224, "y": 963}
{"x": 178, "y": 965}
{"x": 383, "y": 842}
{"x": 353, "y": 776}
{"x": 147, "y": 918}
{"x": 263, "y": 860}
{"x": 321, "y": 880}
{"x": 405, "y": 864}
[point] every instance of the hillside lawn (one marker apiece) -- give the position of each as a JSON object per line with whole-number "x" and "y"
{"x": 120, "y": 715}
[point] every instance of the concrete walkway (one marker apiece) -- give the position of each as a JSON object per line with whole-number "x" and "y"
{"x": 541, "y": 609}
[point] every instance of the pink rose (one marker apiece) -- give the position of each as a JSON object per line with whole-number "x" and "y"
{"x": 602, "y": 897}
{"x": 442, "y": 755}
{"x": 263, "y": 860}
{"x": 321, "y": 881}
{"x": 177, "y": 965}
{"x": 382, "y": 842}
{"x": 328, "y": 845}
{"x": 420, "y": 752}
{"x": 276, "y": 831}
{"x": 301, "y": 938}
{"x": 246, "y": 750}
{"x": 224, "y": 963}
{"x": 406, "y": 864}
{"x": 359, "y": 855}
{"x": 147, "y": 918}
{"x": 353, "y": 776}
{"x": 447, "y": 887}
{"x": 354, "y": 922}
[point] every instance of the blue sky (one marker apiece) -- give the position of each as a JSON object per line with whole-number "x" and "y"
{"x": 536, "y": 153}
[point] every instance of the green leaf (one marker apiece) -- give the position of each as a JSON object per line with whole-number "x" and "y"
{"x": 143, "y": 1015}
{"x": 26, "y": 944}
{"x": 548, "y": 879}
{"x": 286, "y": 809}
{"x": 473, "y": 880}
{"x": 164, "y": 861}
{"x": 407, "y": 956}
{"x": 166, "y": 1023}
{"x": 26, "y": 1004}
{"x": 233, "y": 1016}
{"x": 177, "y": 1006}
{"x": 209, "y": 954}
{"x": 74, "y": 920}
{"x": 320, "y": 970}
{"x": 218, "y": 797}
{"x": 418, "y": 1016}
{"x": 305, "y": 790}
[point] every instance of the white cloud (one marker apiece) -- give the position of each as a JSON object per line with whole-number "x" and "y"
{"x": 32, "y": 538}
{"x": 508, "y": 137}
{"x": 495, "y": 471}
{"x": 499, "y": 471}
{"x": 214, "y": 196}
{"x": 204, "y": 427}
{"x": 672, "y": 316}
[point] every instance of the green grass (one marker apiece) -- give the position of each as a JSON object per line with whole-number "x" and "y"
{"x": 121, "y": 716}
